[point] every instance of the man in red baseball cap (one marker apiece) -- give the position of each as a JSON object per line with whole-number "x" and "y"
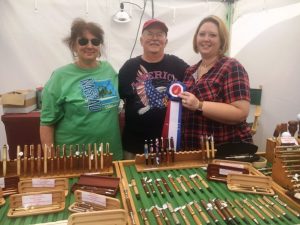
{"x": 143, "y": 81}
{"x": 155, "y": 22}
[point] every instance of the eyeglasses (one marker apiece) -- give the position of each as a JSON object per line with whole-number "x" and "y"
{"x": 151, "y": 35}
{"x": 85, "y": 41}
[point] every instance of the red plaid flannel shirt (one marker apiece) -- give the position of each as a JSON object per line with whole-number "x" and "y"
{"x": 227, "y": 81}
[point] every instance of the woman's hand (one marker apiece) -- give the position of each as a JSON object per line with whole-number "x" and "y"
{"x": 232, "y": 113}
{"x": 190, "y": 101}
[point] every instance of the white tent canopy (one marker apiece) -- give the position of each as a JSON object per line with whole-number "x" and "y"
{"x": 265, "y": 39}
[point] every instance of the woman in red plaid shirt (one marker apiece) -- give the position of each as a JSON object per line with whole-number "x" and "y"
{"x": 218, "y": 95}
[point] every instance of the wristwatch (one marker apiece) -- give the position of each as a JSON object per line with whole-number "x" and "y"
{"x": 200, "y": 104}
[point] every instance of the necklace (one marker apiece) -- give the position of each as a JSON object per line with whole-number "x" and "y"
{"x": 204, "y": 65}
{"x": 204, "y": 68}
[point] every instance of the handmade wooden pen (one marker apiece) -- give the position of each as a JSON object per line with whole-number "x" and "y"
{"x": 145, "y": 187}
{"x": 187, "y": 222}
{"x": 45, "y": 158}
{"x": 31, "y": 153}
{"x": 135, "y": 189}
{"x": 157, "y": 153}
{"x": 164, "y": 216}
{"x": 269, "y": 207}
{"x": 265, "y": 211}
{"x": 192, "y": 177}
{"x": 166, "y": 143}
{"x": 64, "y": 158}
{"x": 96, "y": 156}
{"x": 162, "y": 151}
{"x": 228, "y": 210}
{"x": 39, "y": 155}
{"x": 281, "y": 211}
{"x": 184, "y": 179}
{"x": 77, "y": 156}
{"x": 167, "y": 186}
{"x": 107, "y": 149}
{"x": 175, "y": 218}
{"x": 237, "y": 211}
{"x": 203, "y": 182}
{"x": 207, "y": 147}
{"x": 222, "y": 212}
{"x": 254, "y": 210}
{"x": 71, "y": 157}
{"x": 146, "y": 152}
{"x": 156, "y": 215}
{"x": 149, "y": 181}
{"x": 144, "y": 216}
{"x": 4, "y": 159}
{"x": 191, "y": 211}
{"x": 19, "y": 160}
{"x": 51, "y": 156}
{"x": 101, "y": 156}
{"x": 90, "y": 157}
{"x": 83, "y": 154}
{"x": 214, "y": 207}
{"x": 286, "y": 206}
{"x": 129, "y": 207}
{"x": 212, "y": 143}
{"x": 246, "y": 211}
{"x": 152, "y": 153}
{"x": 202, "y": 147}
{"x": 209, "y": 208}
{"x": 174, "y": 184}
{"x": 182, "y": 185}
{"x": 159, "y": 188}
{"x": 203, "y": 215}
{"x": 172, "y": 149}
{"x": 25, "y": 159}
{"x": 57, "y": 155}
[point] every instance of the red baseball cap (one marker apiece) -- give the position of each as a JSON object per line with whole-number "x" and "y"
{"x": 157, "y": 22}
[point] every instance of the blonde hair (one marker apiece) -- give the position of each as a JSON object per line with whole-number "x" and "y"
{"x": 223, "y": 33}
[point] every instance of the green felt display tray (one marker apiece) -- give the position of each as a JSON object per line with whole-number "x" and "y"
{"x": 63, "y": 215}
{"x": 219, "y": 190}
{"x": 53, "y": 217}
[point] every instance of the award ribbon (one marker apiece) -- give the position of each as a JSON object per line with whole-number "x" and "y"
{"x": 172, "y": 123}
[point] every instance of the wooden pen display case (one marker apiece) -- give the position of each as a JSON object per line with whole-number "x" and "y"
{"x": 219, "y": 169}
{"x": 53, "y": 164}
{"x": 185, "y": 159}
{"x": 2, "y": 200}
{"x": 146, "y": 198}
{"x": 88, "y": 202}
{"x": 250, "y": 184}
{"x": 10, "y": 185}
{"x": 107, "y": 217}
{"x": 43, "y": 184}
{"x": 36, "y": 203}
{"x": 98, "y": 184}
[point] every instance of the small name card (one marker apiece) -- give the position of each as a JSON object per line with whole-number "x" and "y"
{"x": 36, "y": 200}
{"x": 288, "y": 141}
{"x": 37, "y": 182}
{"x": 2, "y": 182}
{"x": 93, "y": 198}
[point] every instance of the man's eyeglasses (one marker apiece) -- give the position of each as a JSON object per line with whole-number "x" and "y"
{"x": 85, "y": 41}
{"x": 151, "y": 35}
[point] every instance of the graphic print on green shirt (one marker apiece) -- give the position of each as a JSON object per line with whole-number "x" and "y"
{"x": 99, "y": 94}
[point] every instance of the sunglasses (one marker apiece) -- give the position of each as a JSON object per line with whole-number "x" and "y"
{"x": 85, "y": 41}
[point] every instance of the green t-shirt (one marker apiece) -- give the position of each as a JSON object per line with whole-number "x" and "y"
{"x": 82, "y": 104}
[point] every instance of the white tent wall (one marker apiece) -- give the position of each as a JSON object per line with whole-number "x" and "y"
{"x": 32, "y": 32}
{"x": 267, "y": 42}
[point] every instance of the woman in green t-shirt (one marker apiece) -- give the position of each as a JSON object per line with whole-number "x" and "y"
{"x": 80, "y": 100}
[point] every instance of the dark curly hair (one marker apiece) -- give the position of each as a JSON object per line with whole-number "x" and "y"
{"x": 79, "y": 26}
